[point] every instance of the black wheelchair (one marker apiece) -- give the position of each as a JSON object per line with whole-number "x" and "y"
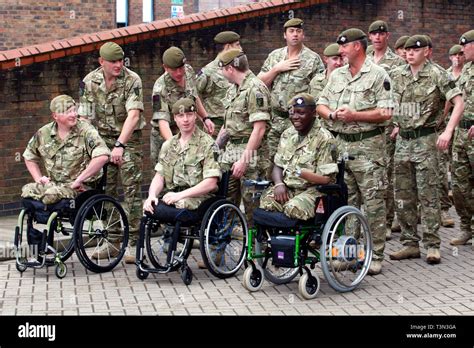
{"x": 91, "y": 224}
{"x": 280, "y": 248}
{"x": 218, "y": 224}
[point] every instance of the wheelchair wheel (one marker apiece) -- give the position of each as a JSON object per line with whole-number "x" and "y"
{"x": 308, "y": 286}
{"x": 346, "y": 250}
{"x": 157, "y": 247}
{"x": 253, "y": 280}
{"x": 276, "y": 275}
{"x": 222, "y": 239}
{"x": 62, "y": 239}
{"x": 100, "y": 233}
{"x": 61, "y": 270}
{"x": 142, "y": 275}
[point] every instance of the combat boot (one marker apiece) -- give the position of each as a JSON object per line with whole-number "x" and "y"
{"x": 107, "y": 250}
{"x": 375, "y": 267}
{"x": 407, "y": 252}
{"x": 461, "y": 239}
{"x": 446, "y": 219}
{"x": 388, "y": 234}
{"x": 396, "y": 226}
{"x": 433, "y": 256}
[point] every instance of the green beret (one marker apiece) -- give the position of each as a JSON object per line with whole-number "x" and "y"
{"x": 173, "y": 58}
{"x": 61, "y": 104}
{"x": 455, "y": 50}
{"x": 225, "y": 37}
{"x": 378, "y": 27}
{"x": 111, "y": 51}
{"x": 302, "y": 100}
{"x": 332, "y": 50}
{"x": 369, "y": 49}
{"x": 293, "y": 23}
{"x": 417, "y": 41}
{"x": 350, "y": 35}
{"x": 401, "y": 41}
{"x": 467, "y": 37}
{"x": 430, "y": 42}
{"x": 227, "y": 57}
{"x": 183, "y": 105}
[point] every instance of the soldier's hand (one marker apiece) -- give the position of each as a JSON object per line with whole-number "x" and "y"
{"x": 238, "y": 169}
{"x": 394, "y": 133}
{"x": 171, "y": 197}
{"x": 443, "y": 140}
{"x": 210, "y": 127}
{"x": 78, "y": 186}
{"x": 149, "y": 204}
{"x": 281, "y": 194}
{"x": 345, "y": 114}
{"x": 470, "y": 133}
{"x": 43, "y": 180}
{"x": 116, "y": 157}
{"x": 289, "y": 64}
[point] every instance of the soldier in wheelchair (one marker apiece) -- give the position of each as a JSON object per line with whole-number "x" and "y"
{"x": 304, "y": 218}
{"x": 72, "y": 154}
{"x": 188, "y": 172}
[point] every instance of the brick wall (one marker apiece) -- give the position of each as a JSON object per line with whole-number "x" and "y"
{"x": 25, "y": 92}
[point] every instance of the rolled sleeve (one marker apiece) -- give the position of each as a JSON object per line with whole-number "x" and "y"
{"x": 159, "y": 169}
{"x": 211, "y": 167}
{"x": 95, "y": 145}
{"x": 31, "y": 152}
{"x": 135, "y": 97}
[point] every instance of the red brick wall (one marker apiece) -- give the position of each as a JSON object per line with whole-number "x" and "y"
{"x": 25, "y": 91}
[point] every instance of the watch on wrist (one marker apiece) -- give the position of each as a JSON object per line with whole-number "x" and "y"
{"x": 119, "y": 144}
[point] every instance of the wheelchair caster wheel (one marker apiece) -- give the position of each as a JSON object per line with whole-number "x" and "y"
{"x": 187, "y": 276}
{"x": 142, "y": 275}
{"x": 253, "y": 280}
{"x": 20, "y": 267}
{"x": 308, "y": 286}
{"x": 61, "y": 270}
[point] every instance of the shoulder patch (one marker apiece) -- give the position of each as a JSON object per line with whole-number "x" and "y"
{"x": 137, "y": 91}
{"x": 452, "y": 84}
{"x": 156, "y": 101}
{"x": 386, "y": 85}
{"x": 259, "y": 98}
{"x": 91, "y": 143}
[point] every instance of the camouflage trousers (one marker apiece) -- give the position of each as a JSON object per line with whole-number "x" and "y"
{"x": 367, "y": 184}
{"x": 390, "y": 200}
{"x": 444, "y": 162}
{"x": 48, "y": 193}
{"x": 191, "y": 203}
{"x": 300, "y": 205}
{"x": 130, "y": 175}
{"x": 463, "y": 178}
{"x": 278, "y": 126}
{"x": 416, "y": 181}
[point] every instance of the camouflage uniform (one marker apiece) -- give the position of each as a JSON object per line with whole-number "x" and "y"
{"x": 313, "y": 152}
{"x": 248, "y": 104}
{"x": 463, "y": 154}
{"x": 63, "y": 160}
{"x": 365, "y": 176}
{"x": 108, "y": 110}
{"x": 389, "y": 62}
{"x": 166, "y": 92}
{"x": 212, "y": 87}
{"x": 186, "y": 167}
{"x": 286, "y": 85}
{"x": 421, "y": 100}
{"x": 316, "y": 87}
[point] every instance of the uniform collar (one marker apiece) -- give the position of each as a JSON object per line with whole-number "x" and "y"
{"x": 246, "y": 81}
{"x": 99, "y": 78}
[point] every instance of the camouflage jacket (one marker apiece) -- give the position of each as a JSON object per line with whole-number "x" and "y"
{"x": 289, "y": 83}
{"x": 186, "y": 167}
{"x": 420, "y": 99}
{"x": 312, "y": 152}
{"x": 65, "y": 159}
{"x": 369, "y": 89}
{"x": 108, "y": 109}
{"x": 389, "y": 61}
{"x": 466, "y": 85}
{"x": 166, "y": 92}
{"x": 246, "y": 104}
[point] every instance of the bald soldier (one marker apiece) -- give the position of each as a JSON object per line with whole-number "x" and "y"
{"x": 421, "y": 90}
{"x": 178, "y": 81}
{"x": 463, "y": 147}
{"x": 111, "y": 98}
{"x": 400, "y": 47}
{"x": 211, "y": 85}
{"x": 358, "y": 99}
{"x": 287, "y": 71}
{"x": 71, "y": 152}
{"x": 303, "y": 160}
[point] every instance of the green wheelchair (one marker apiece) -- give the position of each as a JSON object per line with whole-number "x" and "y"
{"x": 338, "y": 237}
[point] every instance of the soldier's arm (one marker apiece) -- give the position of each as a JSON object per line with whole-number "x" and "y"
{"x": 456, "y": 115}
{"x": 282, "y": 66}
{"x": 201, "y": 111}
{"x": 35, "y": 171}
{"x": 94, "y": 166}
{"x": 156, "y": 186}
{"x": 165, "y": 130}
{"x": 133, "y": 105}
{"x": 32, "y": 159}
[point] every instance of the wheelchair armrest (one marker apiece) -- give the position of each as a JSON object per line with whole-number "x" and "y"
{"x": 330, "y": 188}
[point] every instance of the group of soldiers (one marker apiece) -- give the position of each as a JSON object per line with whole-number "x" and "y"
{"x": 396, "y": 114}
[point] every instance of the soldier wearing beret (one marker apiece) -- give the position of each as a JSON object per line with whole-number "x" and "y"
{"x": 211, "y": 84}
{"x": 70, "y": 150}
{"x": 358, "y": 99}
{"x": 178, "y": 81}
{"x": 287, "y": 71}
{"x": 463, "y": 147}
{"x": 456, "y": 56}
{"x": 111, "y": 97}
{"x": 421, "y": 90}
{"x": 303, "y": 160}
{"x": 384, "y": 57}
{"x": 245, "y": 122}
{"x": 400, "y": 47}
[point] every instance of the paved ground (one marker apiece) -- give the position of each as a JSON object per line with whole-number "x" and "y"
{"x": 410, "y": 287}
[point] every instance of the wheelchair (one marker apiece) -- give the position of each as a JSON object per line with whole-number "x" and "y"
{"x": 279, "y": 248}
{"x": 218, "y": 224}
{"x": 83, "y": 225}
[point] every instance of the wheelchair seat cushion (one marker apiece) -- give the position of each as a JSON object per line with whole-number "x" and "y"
{"x": 41, "y": 211}
{"x": 170, "y": 214}
{"x": 273, "y": 219}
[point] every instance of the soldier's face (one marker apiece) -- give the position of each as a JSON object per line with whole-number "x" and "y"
{"x": 417, "y": 56}
{"x": 379, "y": 40}
{"x": 402, "y": 53}
{"x": 348, "y": 51}
{"x": 234, "y": 45}
{"x": 333, "y": 62}
{"x": 66, "y": 119}
{"x": 294, "y": 36}
{"x": 302, "y": 118}
{"x": 111, "y": 68}
{"x": 457, "y": 59}
{"x": 468, "y": 50}
{"x": 185, "y": 121}
{"x": 227, "y": 72}
{"x": 176, "y": 74}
